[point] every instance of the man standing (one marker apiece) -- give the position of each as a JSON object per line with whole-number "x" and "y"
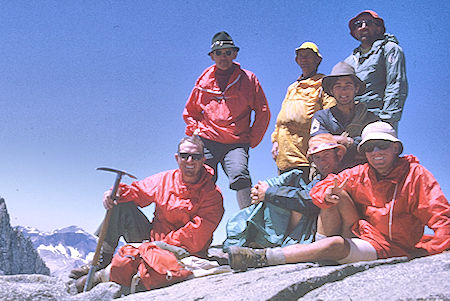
{"x": 303, "y": 98}
{"x": 188, "y": 208}
{"x": 346, "y": 119}
{"x": 379, "y": 61}
{"x": 376, "y": 210}
{"x": 219, "y": 111}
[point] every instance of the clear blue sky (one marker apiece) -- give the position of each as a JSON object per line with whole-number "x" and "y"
{"x": 85, "y": 84}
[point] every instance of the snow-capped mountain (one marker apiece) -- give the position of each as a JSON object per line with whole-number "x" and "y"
{"x": 62, "y": 249}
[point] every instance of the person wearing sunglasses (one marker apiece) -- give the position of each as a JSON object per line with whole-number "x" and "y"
{"x": 189, "y": 207}
{"x": 380, "y": 62}
{"x": 346, "y": 120}
{"x": 220, "y": 109}
{"x": 303, "y": 98}
{"x": 385, "y": 203}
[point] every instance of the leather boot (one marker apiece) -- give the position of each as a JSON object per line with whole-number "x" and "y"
{"x": 241, "y": 258}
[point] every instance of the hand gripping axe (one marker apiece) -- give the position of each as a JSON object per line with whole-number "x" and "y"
{"x": 101, "y": 238}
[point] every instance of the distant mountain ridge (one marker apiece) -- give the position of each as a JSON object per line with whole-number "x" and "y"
{"x": 62, "y": 249}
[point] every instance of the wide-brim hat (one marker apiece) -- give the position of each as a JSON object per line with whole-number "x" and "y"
{"x": 379, "y": 130}
{"x": 323, "y": 142}
{"x": 342, "y": 69}
{"x": 222, "y": 40}
{"x": 309, "y": 45}
{"x": 370, "y": 12}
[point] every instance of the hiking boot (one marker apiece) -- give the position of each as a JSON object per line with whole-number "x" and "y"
{"x": 241, "y": 258}
{"x": 104, "y": 261}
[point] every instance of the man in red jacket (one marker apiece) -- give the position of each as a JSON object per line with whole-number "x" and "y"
{"x": 188, "y": 207}
{"x": 371, "y": 211}
{"x": 219, "y": 111}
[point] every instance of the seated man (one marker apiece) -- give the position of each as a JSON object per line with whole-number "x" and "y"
{"x": 376, "y": 210}
{"x": 189, "y": 207}
{"x": 347, "y": 118}
{"x": 287, "y": 214}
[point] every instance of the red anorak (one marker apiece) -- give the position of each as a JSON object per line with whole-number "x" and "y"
{"x": 186, "y": 215}
{"x": 225, "y": 116}
{"x": 395, "y": 208}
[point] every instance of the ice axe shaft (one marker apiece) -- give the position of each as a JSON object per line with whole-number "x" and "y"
{"x": 105, "y": 224}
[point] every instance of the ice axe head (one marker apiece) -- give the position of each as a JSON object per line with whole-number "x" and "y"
{"x": 119, "y": 174}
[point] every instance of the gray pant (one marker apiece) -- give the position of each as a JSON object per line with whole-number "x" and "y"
{"x": 234, "y": 161}
{"x": 126, "y": 221}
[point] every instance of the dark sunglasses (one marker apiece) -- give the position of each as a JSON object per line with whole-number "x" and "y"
{"x": 185, "y": 156}
{"x": 227, "y": 52}
{"x": 370, "y": 145}
{"x": 358, "y": 24}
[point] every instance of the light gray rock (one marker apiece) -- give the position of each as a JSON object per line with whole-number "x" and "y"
{"x": 46, "y": 288}
{"x": 391, "y": 279}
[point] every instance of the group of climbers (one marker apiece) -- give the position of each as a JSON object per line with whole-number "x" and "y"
{"x": 343, "y": 192}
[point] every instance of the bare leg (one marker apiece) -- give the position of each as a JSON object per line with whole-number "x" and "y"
{"x": 330, "y": 248}
{"x": 293, "y": 221}
{"x": 339, "y": 219}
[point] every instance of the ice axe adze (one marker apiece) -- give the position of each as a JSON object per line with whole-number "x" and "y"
{"x": 101, "y": 238}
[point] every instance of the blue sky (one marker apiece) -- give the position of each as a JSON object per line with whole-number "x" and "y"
{"x": 103, "y": 83}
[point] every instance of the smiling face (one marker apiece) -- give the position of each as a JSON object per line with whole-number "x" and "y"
{"x": 191, "y": 170}
{"x": 383, "y": 159}
{"x": 224, "y": 61}
{"x": 327, "y": 161}
{"x": 344, "y": 91}
{"x": 308, "y": 60}
{"x": 367, "y": 30}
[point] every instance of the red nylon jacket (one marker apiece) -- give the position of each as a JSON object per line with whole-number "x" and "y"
{"x": 225, "y": 116}
{"x": 418, "y": 201}
{"x": 186, "y": 215}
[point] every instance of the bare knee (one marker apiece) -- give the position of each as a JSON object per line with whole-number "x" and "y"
{"x": 334, "y": 248}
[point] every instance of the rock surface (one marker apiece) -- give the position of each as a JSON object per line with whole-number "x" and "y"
{"x": 392, "y": 279}
{"x": 17, "y": 254}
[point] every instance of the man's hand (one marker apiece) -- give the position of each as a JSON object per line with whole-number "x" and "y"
{"x": 258, "y": 192}
{"x": 335, "y": 193}
{"x": 275, "y": 150}
{"x": 108, "y": 202}
{"x": 344, "y": 140}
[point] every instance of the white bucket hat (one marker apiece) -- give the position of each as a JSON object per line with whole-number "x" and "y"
{"x": 379, "y": 131}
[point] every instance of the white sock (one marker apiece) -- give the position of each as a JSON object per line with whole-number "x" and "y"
{"x": 275, "y": 256}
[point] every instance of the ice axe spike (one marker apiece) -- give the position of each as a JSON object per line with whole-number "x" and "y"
{"x": 101, "y": 238}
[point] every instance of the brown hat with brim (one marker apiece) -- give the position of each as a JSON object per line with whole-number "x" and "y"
{"x": 342, "y": 69}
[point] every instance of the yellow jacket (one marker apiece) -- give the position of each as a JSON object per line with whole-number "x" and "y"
{"x": 303, "y": 98}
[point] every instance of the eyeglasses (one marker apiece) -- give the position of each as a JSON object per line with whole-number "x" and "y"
{"x": 227, "y": 52}
{"x": 359, "y": 24}
{"x": 185, "y": 156}
{"x": 369, "y": 146}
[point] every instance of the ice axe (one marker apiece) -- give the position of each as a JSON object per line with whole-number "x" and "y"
{"x": 104, "y": 229}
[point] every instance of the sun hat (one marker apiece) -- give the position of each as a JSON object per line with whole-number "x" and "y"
{"x": 323, "y": 142}
{"x": 370, "y": 12}
{"x": 309, "y": 45}
{"x": 342, "y": 69}
{"x": 379, "y": 130}
{"x": 222, "y": 40}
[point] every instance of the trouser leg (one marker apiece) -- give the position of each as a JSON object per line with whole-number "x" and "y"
{"x": 126, "y": 221}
